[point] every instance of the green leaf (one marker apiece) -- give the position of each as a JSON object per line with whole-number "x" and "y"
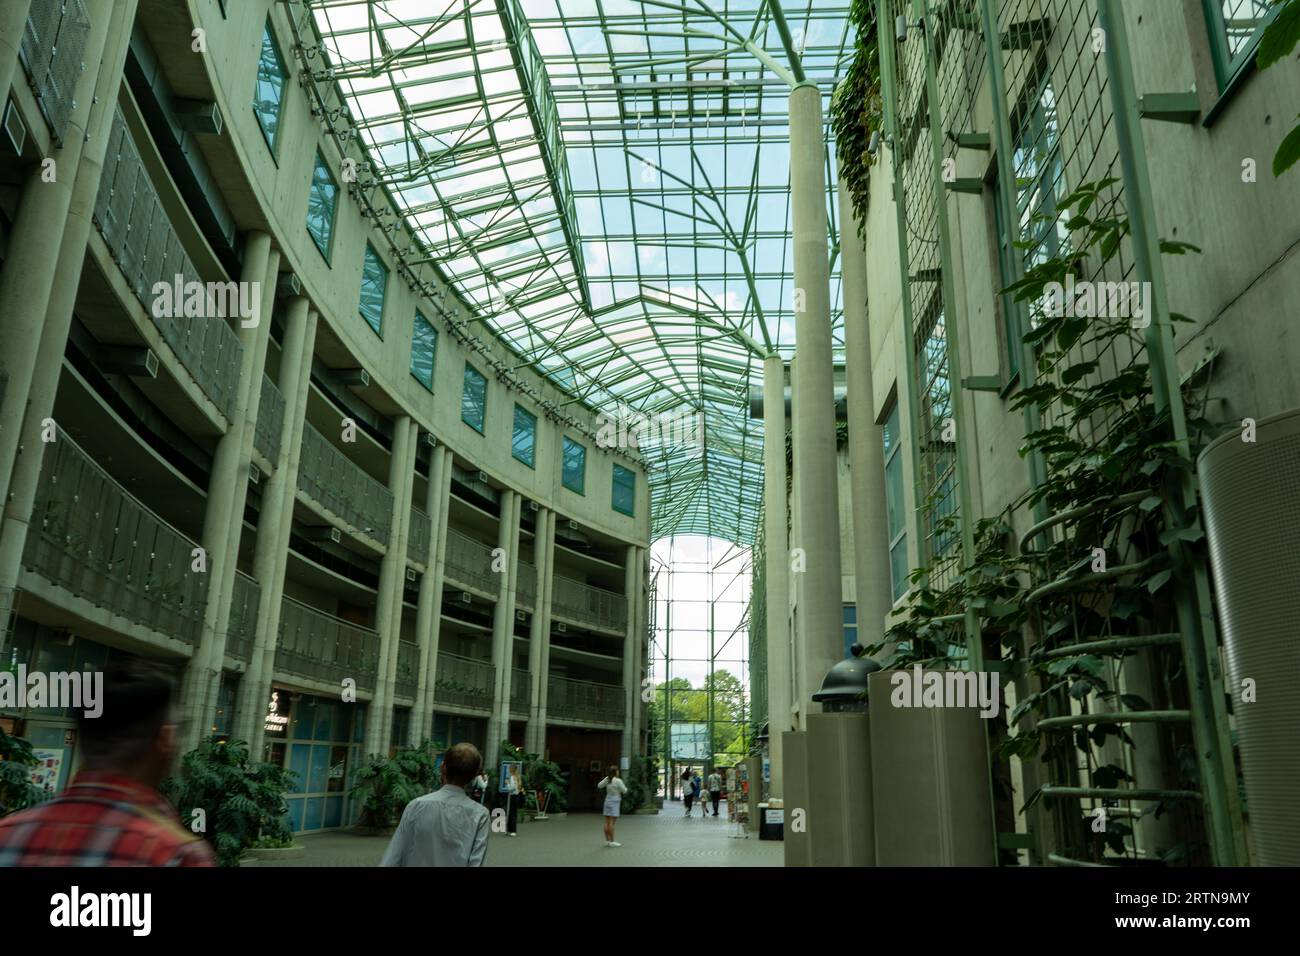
{"x": 1150, "y": 504}
{"x": 1176, "y": 248}
{"x": 1280, "y": 37}
{"x": 1159, "y": 579}
{"x": 1288, "y": 154}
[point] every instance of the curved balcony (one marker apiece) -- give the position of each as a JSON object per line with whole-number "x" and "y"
{"x": 270, "y": 421}
{"x": 469, "y": 563}
{"x": 569, "y": 699}
{"x": 142, "y": 241}
{"x": 521, "y": 691}
{"x": 526, "y": 586}
{"x": 339, "y": 484}
{"x": 417, "y": 542}
{"x": 464, "y": 682}
{"x": 408, "y": 669}
{"x": 90, "y": 536}
{"x": 323, "y": 647}
{"x": 587, "y": 606}
{"x": 53, "y": 43}
{"x": 242, "y": 627}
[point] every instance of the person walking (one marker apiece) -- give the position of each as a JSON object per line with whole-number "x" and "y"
{"x": 446, "y": 827}
{"x": 514, "y": 794}
{"x": 697, "y": 788}
{"x": 688, "y": 790}
{"x": 614, "y": 788}
{"x": 715, "y": 790}
{"x": 113, "y": 814}
{"x": 481, "y": 784}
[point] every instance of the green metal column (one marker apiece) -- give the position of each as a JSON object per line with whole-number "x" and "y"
{"x": 1195, "y": 606}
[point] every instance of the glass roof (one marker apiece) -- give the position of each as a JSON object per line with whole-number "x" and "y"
{"x": 606, "y": 183}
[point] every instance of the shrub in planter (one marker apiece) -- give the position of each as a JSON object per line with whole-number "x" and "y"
{"x": 539, "y": 774}
{"x": 237, "y": 801}
{"x": 384, "y": 786}
{"x": 17, "y": 792}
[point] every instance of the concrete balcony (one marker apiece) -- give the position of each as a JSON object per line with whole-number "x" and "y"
{"x": 270, "y": 419}
{"x": 584, "y": 701}
{"x": 464, "y": 682}
{"x": 93, "y": 539}
{"x": 469, "y": 564}
{"x": 319, "y": 646}
{"x": 417, "y": 542}
{"x": 336, "y": 483}
{"x": 587, "y": 606}
{"x": 242, "y": 627}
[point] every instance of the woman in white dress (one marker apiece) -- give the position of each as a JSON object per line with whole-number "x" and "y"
{"x": 614, "y": 789}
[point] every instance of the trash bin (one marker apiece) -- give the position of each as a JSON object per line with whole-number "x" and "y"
{"x": 771, "y": 821}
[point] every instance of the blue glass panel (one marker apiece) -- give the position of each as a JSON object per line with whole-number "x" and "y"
{"x": 299, "y": 756}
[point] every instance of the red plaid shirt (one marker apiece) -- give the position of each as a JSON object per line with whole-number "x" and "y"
{"x": 101, "y": 820}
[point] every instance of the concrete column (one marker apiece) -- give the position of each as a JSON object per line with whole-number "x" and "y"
{"x": 822, "y": 598}
{"x": 47, "y": 368}
{"x": 539, "y": 632}
{"x": 275, "y": 523}
{"x": 429, "y": 608}
{"x": 223, "y": 519}
{"x": 542, "y": 674}
{"x": 392, "y": 575}
{"x": 776, "y": 565}
{"x": 437, "y": 575}
{"x": 639, "y": 668}
{"x": 503, "y": 623}
{"x": 630, "y": 690}
{"x": 33, "y": 262}
{"x": 13, "y": 20}
{"x": 872, "y": 591}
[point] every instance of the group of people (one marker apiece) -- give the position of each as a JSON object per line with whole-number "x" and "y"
{"x": 693, "y": 791}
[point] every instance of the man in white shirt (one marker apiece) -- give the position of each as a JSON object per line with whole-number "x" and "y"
{"x": 446, "y": 827}
{"x": 715, "y": 790}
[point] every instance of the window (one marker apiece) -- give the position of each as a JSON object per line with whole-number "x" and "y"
{"x": 321, "y": 205}
{"x": 269, "y": 92}
{"x": 574, "y": 472}
{"x": 895, "y": 505}
{"x": 374, "y": 280}
{"x": 473, "y": 399}
{"x": 1235, "y": 29}
{"x": 850, "y": 628}
{"x": 424, "y": 345}
{"x": 624, "y": 490}
{"x": 937, "y": 431}
{"x": 523, "y": 443}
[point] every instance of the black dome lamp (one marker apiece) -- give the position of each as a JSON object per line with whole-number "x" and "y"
{"x": 844, "y": 688}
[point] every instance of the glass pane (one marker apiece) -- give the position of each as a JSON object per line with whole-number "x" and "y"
{"x": 320, "y": 206}
{"x": 374, "y": 280}
{"x": 424, "y": 345}
{"x": 624, "y": 490}
{"x": 473, "y": 399}
{"x": 575, "y": 466}
{"x": 270, "y": 86}
{"x": 524, "y": 440}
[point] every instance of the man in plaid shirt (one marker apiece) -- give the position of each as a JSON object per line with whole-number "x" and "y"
{"x": 112, "y": 814}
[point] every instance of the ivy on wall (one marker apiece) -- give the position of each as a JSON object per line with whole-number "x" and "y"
{"x": 857, "y": 108}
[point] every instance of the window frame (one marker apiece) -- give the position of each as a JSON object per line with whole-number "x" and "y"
{"x": 372, "y": 254}
{"x": 581, "y": 489}
{"x": 531, "y": 460}
{"x": 1230, "y": 69}
{"x": 322, "y": 166}
{"x": 893, "y": 452}
{"x": 271, "y": 137}
{"x": 630, "y": 511}
{"x": 482, "y": 408}
{"x": 433, "y": 349}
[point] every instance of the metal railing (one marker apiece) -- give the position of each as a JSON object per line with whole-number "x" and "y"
{"x": 417, "y": 541}
{"x": 570, "y": 699}
{"x": 469, "y": 563}
{"x": 526, "y": 586}
{"x": 93, "y": 538}
{"x": 242, "y": 626}
{"x": 408, "y": 669}
{"x": 464, "y": 682}
{"x": 586, "y": 605}
{"x": 317, "y": 645}
{"x": 147, "y": 250}
{"x": 338, "y": 483}
{"x": 270, "y": 420}
{"x": 53, "y": 43}
{"x": 521, "y": 691}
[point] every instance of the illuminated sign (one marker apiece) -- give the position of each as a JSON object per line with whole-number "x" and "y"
{"x": 276, "y": 722}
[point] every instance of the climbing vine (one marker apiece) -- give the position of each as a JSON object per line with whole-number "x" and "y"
{"x": 857, "y": 108}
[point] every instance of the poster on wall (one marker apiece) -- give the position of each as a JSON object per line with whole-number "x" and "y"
{"x": 511, "y": 780}
{"x": 46, "y": 773}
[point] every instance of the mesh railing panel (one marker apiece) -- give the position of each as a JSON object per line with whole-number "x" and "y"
{"x": 320, "y": 646}
{"x": 521, "y": 691}
{"x": 270, "y": 420}
{"x": 408, "y": 669}
{"x": 569, "y": 699}
{"x": 417, "y": 540}
{"x": 339, "y": 484}
{"x": 242, "y": 627}
{"x": 469, "y": 563}
{"x": 53, "y": 44}
{"x": 464, "y": 682}
{"x": 583, "y": 604}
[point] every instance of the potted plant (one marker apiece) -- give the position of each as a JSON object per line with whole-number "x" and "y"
{"x": 234, "y": 802}
{"x": 385, "y": 785}
{"x": 17, "y": 792}
{"x": 539, "y": 774}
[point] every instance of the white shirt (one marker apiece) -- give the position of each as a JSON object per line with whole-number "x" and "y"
{"x": 443, "y": 828}
{"x": 715, "y": 782}
{"x": 613, "y": 786}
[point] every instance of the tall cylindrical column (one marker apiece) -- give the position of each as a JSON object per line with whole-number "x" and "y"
{"x": 437, "y": 566}
{"x": 223, "y": 517}
{"x": 32, "y": 255}
{"x": 392, "y": 574}
{"x": 818, "y": 544}
{"x": 545, "y": 589}
{"x": 48, "y": 367}
{"x": 503, "y": 622}
{"x": 776, "y": 565}
{"x": 872, "y": 590}
{"x": 275, "y": 522}
{"x": 629, "y": 651}
{"x": 539, "y": 634}
{"x": 429, "y": 606}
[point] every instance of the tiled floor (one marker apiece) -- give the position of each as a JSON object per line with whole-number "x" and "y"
{"x": 667, "y": 838}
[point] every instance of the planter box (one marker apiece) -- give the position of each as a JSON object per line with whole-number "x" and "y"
{"x": 256, "y": 855}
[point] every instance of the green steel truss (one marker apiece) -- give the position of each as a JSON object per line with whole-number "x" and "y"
{"x": 606, "y": 185}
